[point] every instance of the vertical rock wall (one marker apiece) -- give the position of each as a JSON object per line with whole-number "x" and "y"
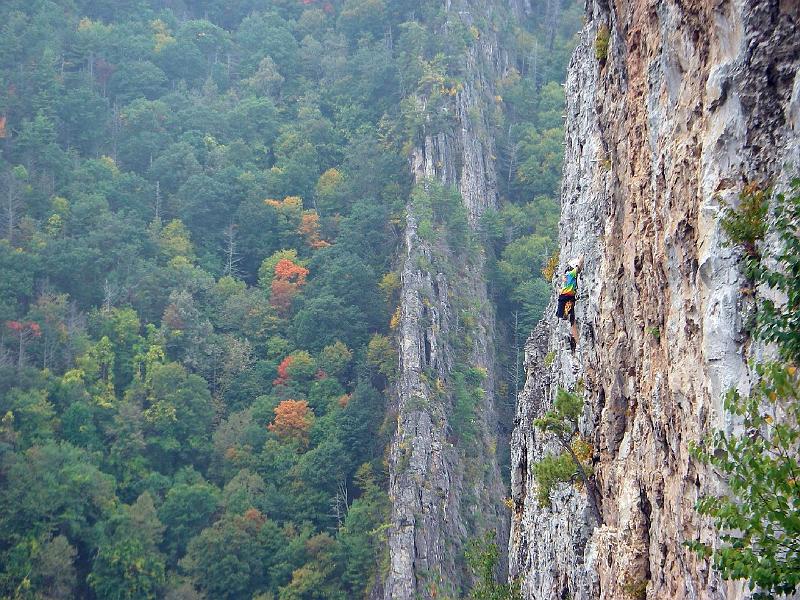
{"x": 694, "y": 99}
{"x": 440, "y": 496}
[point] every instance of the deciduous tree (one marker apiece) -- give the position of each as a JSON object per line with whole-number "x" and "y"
{"x": 293, "y": 420}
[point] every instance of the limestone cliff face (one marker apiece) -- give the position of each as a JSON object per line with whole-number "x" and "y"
{"x": 693, "y": 99}
{"x": 441, "y": 494}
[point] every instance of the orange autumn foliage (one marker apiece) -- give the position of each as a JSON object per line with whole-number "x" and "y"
{"x": 289, "y": 209}
{"x": 254, "y": 515}
{"x": 293, "y": 420}
{"x": 289, "y": 278}
{"x": 288, "y": 271}
{"x": 2, "y": 127}
{"x": 290, "y": 204}
{"x": 310, "y": 230}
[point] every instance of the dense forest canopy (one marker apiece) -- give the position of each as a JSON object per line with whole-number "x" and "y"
{"x": 201, "y": 202}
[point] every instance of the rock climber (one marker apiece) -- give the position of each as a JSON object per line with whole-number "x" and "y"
{"x": 566, "y": 299}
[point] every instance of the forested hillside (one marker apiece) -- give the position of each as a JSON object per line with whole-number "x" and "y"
{"x": 201, "y": 204}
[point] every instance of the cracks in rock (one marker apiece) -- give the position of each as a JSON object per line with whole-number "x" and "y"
{"x": 427, "y": 344}
{"x": 647, "y": 510}
{"x": 565, "y": 593}
{"x": 522, "y": 470}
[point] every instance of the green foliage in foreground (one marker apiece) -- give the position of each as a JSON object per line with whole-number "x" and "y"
{"x": 759, "y": 516}
{"x": 776, "y": 322}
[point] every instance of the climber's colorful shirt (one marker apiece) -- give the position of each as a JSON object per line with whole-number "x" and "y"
{"x": 570, "y": 282}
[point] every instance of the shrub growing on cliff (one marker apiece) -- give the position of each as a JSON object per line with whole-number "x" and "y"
{"x": 759, "y": 516}
{"x": 635, "y": 589}
{"x": 601, "y": 43}
{"x": 549, "y": 269}
{"x": 549, "y": 472}
{"x": 482, "y": 556}
{"x": 440, "y": 210}
{"x": 562, "y": 423}
{"x": 747, "y": 226}
{"x": 468, "y": 394}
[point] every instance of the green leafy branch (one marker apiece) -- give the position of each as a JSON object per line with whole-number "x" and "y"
{"x": 758, "y": 516}
{"x": 776, "y": 322}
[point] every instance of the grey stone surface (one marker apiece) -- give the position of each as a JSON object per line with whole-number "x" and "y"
{"x": 440, "y": 496}
{"x": 694, "y": 100}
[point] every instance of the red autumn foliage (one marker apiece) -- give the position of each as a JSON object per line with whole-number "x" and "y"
{"x": 281, "y": 295}
{"x": 293, "y": 420}
{"x": 22, "y": 327}
{"x": 283, "y": 371}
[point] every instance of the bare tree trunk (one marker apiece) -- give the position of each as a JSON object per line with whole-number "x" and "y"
{"x": 534, "y": 61}
{"x": 232, "y": 258}
{"x": 516, "y": 354}
{"x": 108, "y": 296}
{"x": 116, "y": 127}
{"x": 158, "y": 202}
{"x": 45, "y": 345}
{"x": 339, "y": 504}
{"x": 11, "y": 204}
{"x": 512, "y": 154}
{"x": 9, "y": 220}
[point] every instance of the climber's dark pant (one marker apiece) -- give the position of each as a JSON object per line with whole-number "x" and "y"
{"x": 566, "y": 308}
